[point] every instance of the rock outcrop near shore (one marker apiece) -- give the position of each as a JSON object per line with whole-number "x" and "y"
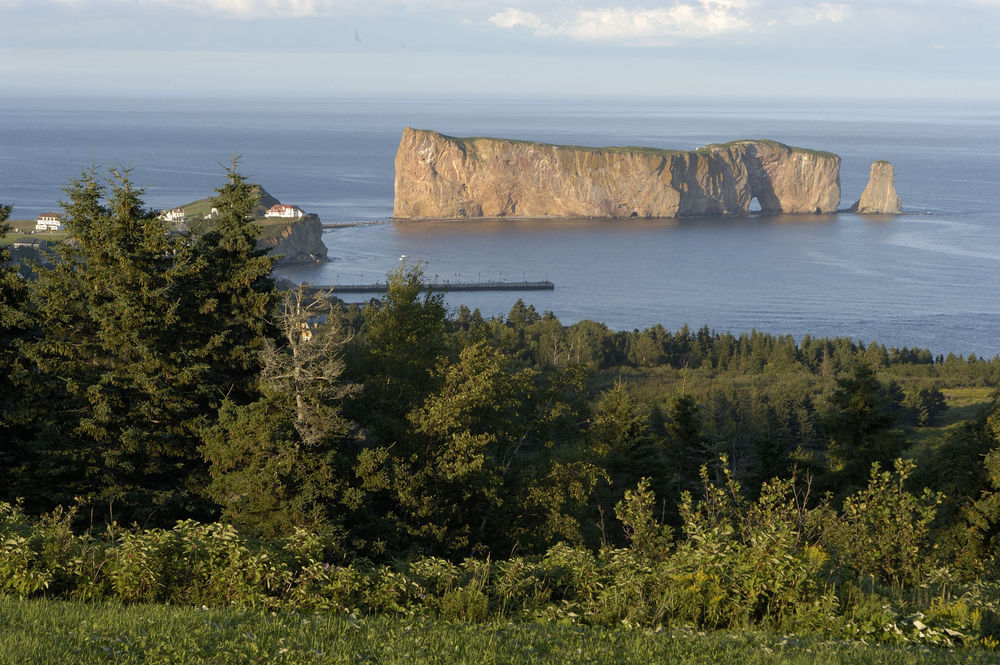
{"x": 443, "y": 177}
{"x": 879, "y": 197}
{"x": 299, "y": 242}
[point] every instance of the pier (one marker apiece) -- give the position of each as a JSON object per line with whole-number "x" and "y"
{"x": 382, "y": 287}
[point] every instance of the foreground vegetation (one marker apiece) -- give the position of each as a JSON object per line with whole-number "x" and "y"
{"x": 43, "y": 632}
{"x": 174, "y": 430}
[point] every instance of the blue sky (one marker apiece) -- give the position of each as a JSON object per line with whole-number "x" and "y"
{"x": 941, "y": 49}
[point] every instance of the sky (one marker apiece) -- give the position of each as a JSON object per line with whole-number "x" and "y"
{"x": 933, "y": 49}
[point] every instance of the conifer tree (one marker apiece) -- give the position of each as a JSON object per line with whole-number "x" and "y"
{"x": 14, "y": 326}
{"x": 401, "y": 341}
{"x": 231, "y": 291}
{"x": 623, "y": 439}
{"x": 861, "y": 426}
{"x": 141, "y": 335}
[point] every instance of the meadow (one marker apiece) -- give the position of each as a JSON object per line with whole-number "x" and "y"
{"x": 49, "y": 631}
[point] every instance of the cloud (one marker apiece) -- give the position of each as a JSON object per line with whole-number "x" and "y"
{"x": 819, "y": 13}
{"x": 254, "y": 9}
{"x": 684, "y": 19}
{"x": 258, "y": 8}
{"x": 636, "y": 25}
{"x": 513, "y": 18}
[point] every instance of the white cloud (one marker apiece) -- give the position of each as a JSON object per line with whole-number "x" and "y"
{"x": 819, "y": 13}
{"x": 511, "y": 18}
{"x": 251, "y": 9}
{"x": 638, "y": 26}
{"x": 257, "y": 8}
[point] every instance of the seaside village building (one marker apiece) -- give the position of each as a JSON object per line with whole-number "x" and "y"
{"x": 175, "y": 215}
{"x": 49, "y": 221}
{"x": 288, "y": 212}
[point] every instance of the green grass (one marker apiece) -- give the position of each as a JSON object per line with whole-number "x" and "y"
{"x": 964, "y": 404}
{"x": 21, "y": 225}
{"x": 45, "y": 631}
{"x": 21, "y": 229}
{"x": 462, "y": 141}
{"x": 198, "y": 209}
{"x": 660, "y": 152}
{"x": 769, "y": 142}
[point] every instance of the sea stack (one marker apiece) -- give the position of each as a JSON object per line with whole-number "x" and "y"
{"x": 879, "y": 197}
{"x": 443, "y": 177}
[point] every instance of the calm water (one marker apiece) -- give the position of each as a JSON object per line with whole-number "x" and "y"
{"x": 929, "y": 278}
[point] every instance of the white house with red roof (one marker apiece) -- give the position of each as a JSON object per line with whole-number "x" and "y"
{"x": 49, "y": 221}
{"x": 287, "y": 212}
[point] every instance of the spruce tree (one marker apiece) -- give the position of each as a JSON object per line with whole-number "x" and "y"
{"x": 231, "y": 291}
{"x": 14, "y": 326}
{"x": 142, "y": 333}
{"x": 401, "y": 341}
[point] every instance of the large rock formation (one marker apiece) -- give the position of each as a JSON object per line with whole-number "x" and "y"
{"x": 879, "y": 197}
{"x": 439, "y": 176}
{"x": 299, "y": 242}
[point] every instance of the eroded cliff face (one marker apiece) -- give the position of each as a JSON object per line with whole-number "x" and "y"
{"x": 299, "y": 242}
{"x": 879, "y": 197}
{"x": 443, "y": 177}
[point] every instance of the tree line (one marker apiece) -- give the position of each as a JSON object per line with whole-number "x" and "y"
{"x": 150, "y": 376}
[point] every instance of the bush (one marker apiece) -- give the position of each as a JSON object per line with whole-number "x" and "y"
{"x": 742, "y": 562}
{"x": 884, "y": 530}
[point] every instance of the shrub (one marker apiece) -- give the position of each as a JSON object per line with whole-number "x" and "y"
{"x": 884, "y": 530}
{"x": 742, "y": 562}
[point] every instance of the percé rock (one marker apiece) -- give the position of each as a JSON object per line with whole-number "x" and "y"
{"x": 299, "y": 242}
{"x": 444, "y": 177}
{"x": 879, "y": 197}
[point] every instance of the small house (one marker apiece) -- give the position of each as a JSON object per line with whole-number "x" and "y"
{"x": 286, "y": 212}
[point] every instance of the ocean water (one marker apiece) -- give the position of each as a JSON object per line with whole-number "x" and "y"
{"x": 928, "y": 278}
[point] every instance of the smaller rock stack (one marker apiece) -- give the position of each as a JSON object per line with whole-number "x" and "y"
{"x": 879, "y": 197}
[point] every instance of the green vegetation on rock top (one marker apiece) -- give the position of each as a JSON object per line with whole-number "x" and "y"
{"x": 769, "y": 142}
{"x": 202, "y": 207}
{"x": 664, "y": 152}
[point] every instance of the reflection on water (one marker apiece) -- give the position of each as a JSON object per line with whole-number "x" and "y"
{"x": 927, "y": 278}
{"x": 823, "y": 275}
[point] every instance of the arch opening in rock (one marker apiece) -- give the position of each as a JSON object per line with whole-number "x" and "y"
{"x": 754, "y": 205}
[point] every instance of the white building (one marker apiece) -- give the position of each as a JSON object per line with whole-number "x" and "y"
{"x": 175, "y": 215}
{"x": 288, "y": 212}
{"x": 49, "y": 221}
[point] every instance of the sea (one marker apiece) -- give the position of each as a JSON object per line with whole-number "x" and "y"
{"x": 929, "y": 278}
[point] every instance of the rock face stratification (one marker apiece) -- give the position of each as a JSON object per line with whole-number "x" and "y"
{"x": 879, "y": 197}
{"x": 299, "y": 242}
{"x": 443, "y": 177}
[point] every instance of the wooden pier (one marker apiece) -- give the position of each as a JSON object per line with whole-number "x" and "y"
{"x": 446, "y": 287}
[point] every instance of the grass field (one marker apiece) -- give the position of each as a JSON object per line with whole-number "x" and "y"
{"x": 21, "y": 230}
{"x": 44, "y": 631}
{"x": 964, "y": 404}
